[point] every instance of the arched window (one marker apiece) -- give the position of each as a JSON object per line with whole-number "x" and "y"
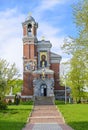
{"x": 29, "y": 29}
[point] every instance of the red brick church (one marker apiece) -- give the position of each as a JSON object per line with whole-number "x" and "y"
{"x": 41, "y": 67}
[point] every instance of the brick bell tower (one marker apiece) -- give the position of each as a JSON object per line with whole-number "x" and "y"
{"x": 40, "y": 65}
{"x": 29, "y": 54}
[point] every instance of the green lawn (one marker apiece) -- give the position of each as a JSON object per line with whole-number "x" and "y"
{"x": 15, "y": 117}
{"x": 76, "y": 115}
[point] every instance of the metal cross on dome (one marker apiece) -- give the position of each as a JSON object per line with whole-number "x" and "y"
{"x": 43, "y": 37}
{"x": 30, "y": 13}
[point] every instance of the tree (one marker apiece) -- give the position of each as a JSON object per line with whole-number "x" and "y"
{"x": 79, "y": 43}
{"x": 76, "y": 77}
{"x": 17, "y": 86}
{"x": 80, "y": 12}
{"x": 78, "y": 49}
{"x": 8, "y": 73}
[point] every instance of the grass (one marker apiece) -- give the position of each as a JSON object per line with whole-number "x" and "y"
{"x": 76, "y": 115}
{"x": 15, "y": 117}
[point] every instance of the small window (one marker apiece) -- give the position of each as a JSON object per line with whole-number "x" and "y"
{"x": 29, "y": 29}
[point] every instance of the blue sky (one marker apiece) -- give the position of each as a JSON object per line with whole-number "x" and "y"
{"x": 54, "y": 18}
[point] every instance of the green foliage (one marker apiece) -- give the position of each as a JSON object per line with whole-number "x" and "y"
{"x": 17, "y": 86}
{"x": 75, "y": 115}
{"x": 57, "y": 102}
{"x": 15, "y": 117}
{"x": 85, "y": 97}
{"x": 77, "y": 77}
{"x": 10, "y": 102}
{"x": 80, "y": 12}
{"x": 3, "y": 105}
{"x": 8, "y": 74}
{"x": 30, "y": 102}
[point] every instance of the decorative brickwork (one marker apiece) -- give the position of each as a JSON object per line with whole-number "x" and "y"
{"x": 40, "y": 65}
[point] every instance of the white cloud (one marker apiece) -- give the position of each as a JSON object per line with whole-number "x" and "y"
{"x": 12, "y": 51}
{"x": 46, "y": 4}
{"x": 46, "y": 29}
{"x": 11, "y": 31}
{"x": 51, "y": 33}
{"x": 11, "y": 36}
{"x": 49, "y": 4}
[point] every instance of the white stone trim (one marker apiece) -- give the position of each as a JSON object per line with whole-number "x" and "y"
{"x": 67, "y": 90}
{"x": 55, "y": 60}
{"x": 26, "y": 97}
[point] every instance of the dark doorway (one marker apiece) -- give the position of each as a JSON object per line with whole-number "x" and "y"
{"x": 43, "y": 90}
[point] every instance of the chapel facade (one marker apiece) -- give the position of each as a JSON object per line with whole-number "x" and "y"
{"x": 41, "y": 67}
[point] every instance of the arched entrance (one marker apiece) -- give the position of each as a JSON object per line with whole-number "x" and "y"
{"x": 43, "y": 90}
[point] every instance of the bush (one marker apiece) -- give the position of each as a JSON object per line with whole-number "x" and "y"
{"x": 26, "y": 102}
{"x": 3, "y": 105}
{"x": 58, "y": 102}
{"x": 10, "y": 102}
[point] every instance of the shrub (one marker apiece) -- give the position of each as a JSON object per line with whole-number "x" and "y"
{"x": 3, "y": 105}
{"x": 26, "y": 102}
{"x": 10, "y": 102}
{"x": 58, "y": 102}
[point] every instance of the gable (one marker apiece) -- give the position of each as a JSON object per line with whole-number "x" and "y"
{"x": 55, "y": 58}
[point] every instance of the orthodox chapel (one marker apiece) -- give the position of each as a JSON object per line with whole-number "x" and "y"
{"x": 41, "y": 66}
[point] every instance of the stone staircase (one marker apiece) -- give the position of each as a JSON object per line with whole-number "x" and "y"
{"x": 44, "y": 101}
{"x": 46, "y": 114}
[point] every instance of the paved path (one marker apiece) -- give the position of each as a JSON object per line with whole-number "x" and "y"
{"x": 46, "y": 117}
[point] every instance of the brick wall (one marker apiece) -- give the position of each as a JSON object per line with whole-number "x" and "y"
{"x": 55, "y": 68}
{"x": 32, "y": 51}
{"x": 29, "y": 51}
{"x": 26, "y": 51}
{"x": 27, "y": 84}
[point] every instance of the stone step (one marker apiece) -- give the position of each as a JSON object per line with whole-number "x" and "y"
{"x": 47, "y": 120}
{"x": 44, "y": 101}
{"x": 46, "y": 114}
{"x": 47, "y": 107}
{"x": 45, "y": 117}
